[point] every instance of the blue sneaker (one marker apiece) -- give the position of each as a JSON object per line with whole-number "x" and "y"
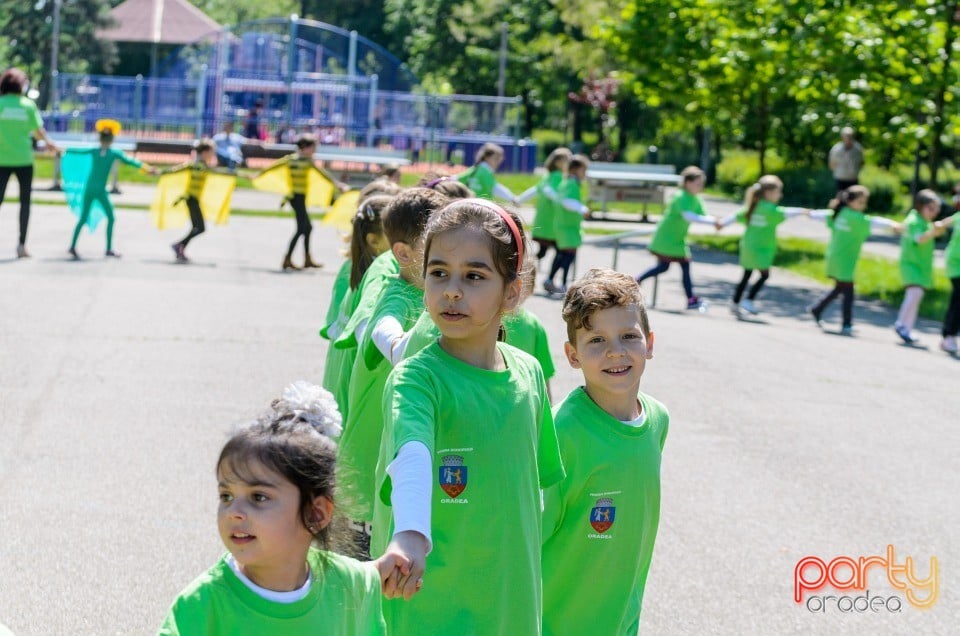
{"x": 904, "y": 334}
{"x": 846, "y": 330}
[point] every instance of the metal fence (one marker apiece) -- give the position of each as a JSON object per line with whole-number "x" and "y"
{"x": 340, "y": 110}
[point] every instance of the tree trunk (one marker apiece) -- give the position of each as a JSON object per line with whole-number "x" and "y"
{"x": 527, "y": 112}
{"x": 577, "y": 123}
{"x": 763, "y": 129}
{"x": 939, "y": 118}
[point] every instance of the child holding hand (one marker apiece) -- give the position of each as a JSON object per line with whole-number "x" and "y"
{"x": 457, "y": 414}
{"x": 276, "y": 485}
{"x": 916, "y": 259}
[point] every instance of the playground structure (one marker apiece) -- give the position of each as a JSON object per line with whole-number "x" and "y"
{"x": 304, "y": 76}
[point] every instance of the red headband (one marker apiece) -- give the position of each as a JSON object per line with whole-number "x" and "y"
{"x": 517, "y": 237}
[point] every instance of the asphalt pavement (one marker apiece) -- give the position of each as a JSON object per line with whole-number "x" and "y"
{"x": 120, "y": 380}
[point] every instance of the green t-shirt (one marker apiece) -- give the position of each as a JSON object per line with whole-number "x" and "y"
{"x": 916, "y": 259}
{"x": 951, "y": 255}
{"x": 849, "y": 229}
{"x": 480, "y": 179}
{"x": 605, "y": 512}
{"x": 494, "y": 447}
{"x": 102, "y": 162}
{"x": 341, "y": 284}
{"x": 360, "y": 442}
{"x": 546, "y": 209}
{"x": 566, "y": 223}
{"x": 19, "y": 118}
{"x": 758, "y": 245}
{"x": 422, "y": 335}
{"x": 339, "y": 362}
{"x": 524, "y": 331}
{"x": 344, "y": 600}
{"x": 527, "y": 333}
{"x": 670, "y": 238}
{"x": 365, "y": 299}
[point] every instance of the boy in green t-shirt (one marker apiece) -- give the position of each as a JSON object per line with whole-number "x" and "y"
{"x": 380, "y": 345}
{"x": 611, "y": 436}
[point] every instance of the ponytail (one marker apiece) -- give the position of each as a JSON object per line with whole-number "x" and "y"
{"x": 764, "y": 184}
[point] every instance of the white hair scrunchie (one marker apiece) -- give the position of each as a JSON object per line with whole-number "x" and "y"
{"x": 312, "y": 404}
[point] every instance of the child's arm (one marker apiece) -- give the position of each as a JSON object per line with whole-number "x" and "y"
{"x": 404, "y": 561}
{"x": 573, "y": 205}
{"x": 503, "y": 192}
{"x": 127, "y": 159}
{"x": 526, "y": 195}
{"x": 80, "y": 151}
{"x": 820, "y": 215}
{"x": 389, "y": 337}
{"x": 792, "y": 212}
{"x": 880, "y": 223}
{"x": 705, "y": 219}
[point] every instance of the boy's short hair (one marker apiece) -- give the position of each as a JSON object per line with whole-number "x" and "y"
{"x": 601, "y": 288}
{"x": 692, "y": 173}
{"x": 406, "y": 217}
{"x": 204, "y": 145}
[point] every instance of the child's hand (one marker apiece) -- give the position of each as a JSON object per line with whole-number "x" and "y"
{"x": 402, "y": 565}
{"x": 807, "y": 211}
{"x": 717, "y": 225}
{"x": 897, "y": 228}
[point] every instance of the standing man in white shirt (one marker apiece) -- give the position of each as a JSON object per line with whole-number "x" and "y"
{"x": 846, "y": 160}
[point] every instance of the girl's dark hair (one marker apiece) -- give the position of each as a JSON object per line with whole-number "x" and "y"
{"x": 925, "y": 197}
{"x": 12, "y": 81}
{"x": 443, "y": 184}
{"x": 204, "y": 145}
{"x": 691, "y": 173}
{"x": 306, "y": 140}
{"x": 755, "y": 192}
{"x": 380, "y": 185}
{"x": 486, "y": 151}
{"x": 366, "y": 221}
{"x": 576, "y": 162}
{"x": 557, "y": 160}
{"x": 481, "y": 215}
{"x": 286, "y": 444}
{"x": 845, "y": 197}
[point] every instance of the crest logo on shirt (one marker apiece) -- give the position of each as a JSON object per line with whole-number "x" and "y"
{"x": 453, "y": 475}
{"x": 603, "y": 515}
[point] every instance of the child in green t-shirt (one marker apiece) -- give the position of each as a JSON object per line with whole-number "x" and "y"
{"x": 480, "y": 177}
{"x": 543, "y": 232}
{"x": 951, "y": 257}
{"x": 468, "y": 440}
{"x": 669, "y": 243}
{"x": 568, "y": 214}
{"x": 758, "y": 245}
{"x": 276, "y": 486}
{"x": 367, "y": 242}
{"x": 849, "y": 228}
{"x": 916, "y": 259}
{"x": 396, "y": 308}
{"x": 611, "y": 438}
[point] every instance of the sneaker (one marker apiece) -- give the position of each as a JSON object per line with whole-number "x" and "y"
{"x": 309, "y": 262}
{"x": 846, "y": 330}
{"x": 949, "y": 345}
{"x": 111, "y": 254}
{"x": 73, "y": 253}
{"x": 694, "y": 303}
{"x": 905, "y": 334}
{"x": 549, "y": 287}
{"x": 735, "y": 310}
{"x": 288, "y": 264}
{"x": 816, "y": 316}
{"x": 22, "y": 252}
{"x": 747, "y": 305}
{"x": 178, "y": 251}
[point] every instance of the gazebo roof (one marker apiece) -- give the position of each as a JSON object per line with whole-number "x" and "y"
{"x": 158, "y": 22}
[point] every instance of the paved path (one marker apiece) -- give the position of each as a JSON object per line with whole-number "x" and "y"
{"x": 119, "y": 381}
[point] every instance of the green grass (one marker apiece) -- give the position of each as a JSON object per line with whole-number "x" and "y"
{"x": 877, "y": 277}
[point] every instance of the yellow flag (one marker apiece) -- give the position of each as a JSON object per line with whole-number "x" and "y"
{"x": 341, "y": 213}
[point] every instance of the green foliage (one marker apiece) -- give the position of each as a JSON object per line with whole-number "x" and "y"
{"x": 547, "y": 142}
{"x": 27, "y": 28}
{"x": 233, "y": 12}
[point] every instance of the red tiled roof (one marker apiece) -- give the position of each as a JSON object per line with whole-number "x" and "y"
{"x": 158, "y": 21}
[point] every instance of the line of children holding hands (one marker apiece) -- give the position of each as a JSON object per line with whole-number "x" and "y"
{"x": 465, "y": 444}
{"x": 196, "y": 189}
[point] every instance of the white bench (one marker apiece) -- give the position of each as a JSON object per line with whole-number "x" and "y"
{"x": 639, "y": 182}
